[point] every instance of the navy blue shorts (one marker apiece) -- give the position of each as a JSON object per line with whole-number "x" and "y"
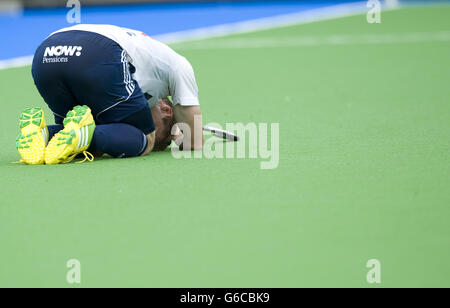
{"x": 85, "y": 68}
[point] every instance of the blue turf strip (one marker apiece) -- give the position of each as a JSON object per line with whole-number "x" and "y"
{"x": 24, "y": 31}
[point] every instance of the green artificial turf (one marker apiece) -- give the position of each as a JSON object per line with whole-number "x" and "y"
{"x": 363, "y": 173}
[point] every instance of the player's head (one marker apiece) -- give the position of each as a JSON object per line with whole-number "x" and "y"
{"x": 163, "y": 118}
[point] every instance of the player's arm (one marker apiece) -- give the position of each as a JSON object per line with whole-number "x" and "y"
{"x": 189, "y": 118}
{"x": 186, "y": 110}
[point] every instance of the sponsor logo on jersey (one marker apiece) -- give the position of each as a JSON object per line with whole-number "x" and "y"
{"x": 61, "y": 54}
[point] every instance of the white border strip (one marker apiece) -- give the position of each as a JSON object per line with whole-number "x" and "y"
{"x": 16, "y": 62}
{"x": 303, "y": 17}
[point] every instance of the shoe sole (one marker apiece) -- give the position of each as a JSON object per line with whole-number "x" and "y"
{"x": 32, "y": 138}
{"x": 62, "y": 144}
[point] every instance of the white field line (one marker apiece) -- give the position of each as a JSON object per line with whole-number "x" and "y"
{"x": 309, "y": 16}
{"x": 297, "y": 41}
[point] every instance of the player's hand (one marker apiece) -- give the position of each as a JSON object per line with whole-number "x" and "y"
{"x": 177, "y": 135}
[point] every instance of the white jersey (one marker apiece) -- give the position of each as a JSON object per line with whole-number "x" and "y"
{"x": 160, "y": 71}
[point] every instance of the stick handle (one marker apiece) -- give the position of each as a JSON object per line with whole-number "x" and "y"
{"x": 221, "y": 133}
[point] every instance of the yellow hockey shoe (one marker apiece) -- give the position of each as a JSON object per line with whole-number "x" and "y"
{"x": 74, "y": 139}
{"x": 33, "y": 136}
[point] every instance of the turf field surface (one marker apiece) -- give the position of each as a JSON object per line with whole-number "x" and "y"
{"x": 363, "y": 173}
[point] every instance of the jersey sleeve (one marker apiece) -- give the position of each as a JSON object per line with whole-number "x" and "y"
{"x": 183, "y": 86}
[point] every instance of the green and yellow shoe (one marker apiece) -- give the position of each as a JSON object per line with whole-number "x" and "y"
{"x": 33, "y": 136}
{"x": 74, "y": 139}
